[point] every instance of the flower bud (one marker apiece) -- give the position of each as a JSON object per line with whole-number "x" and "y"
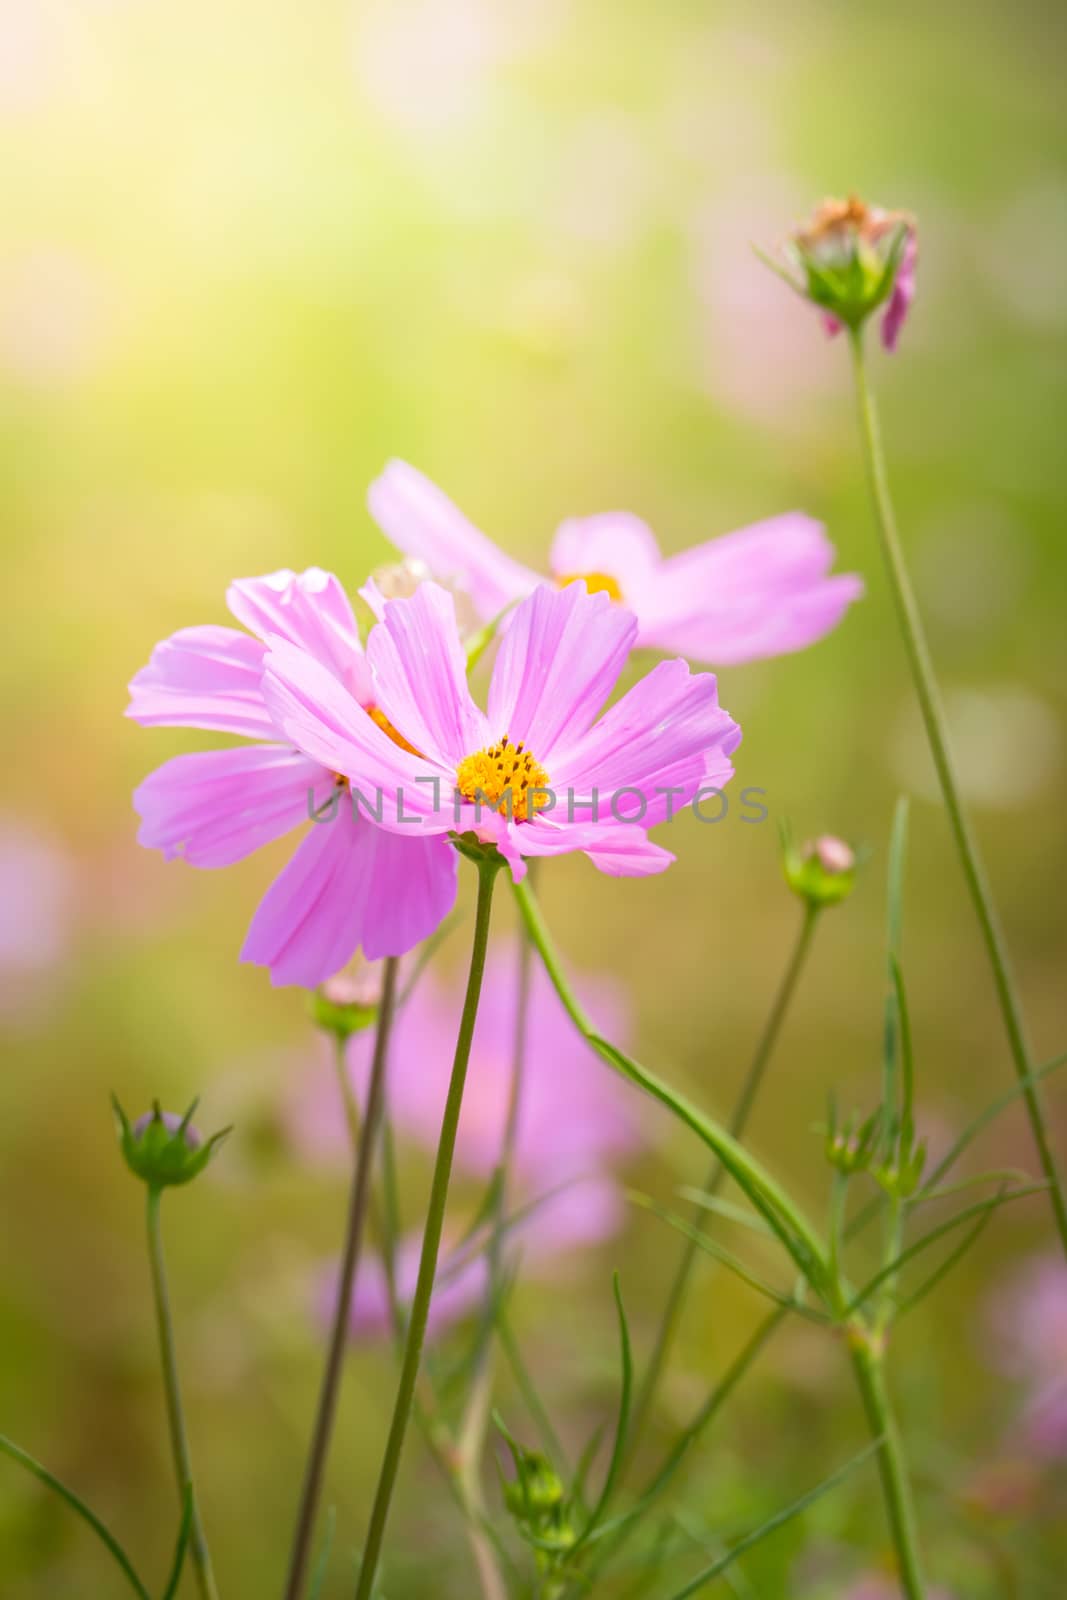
{"x": 850, "y": 259}
{"x": 162, "y": 1148}
{"x": 850, "y": 1146}
{"x": 821, "y": 872}
{"x": 348, "y": 1002}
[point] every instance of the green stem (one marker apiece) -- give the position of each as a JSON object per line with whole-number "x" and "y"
{"x": 757, "y": 1067}
{"x": 359, "y": 1199}
{"x": 868, "y": 1364}
{"x": 175, "y": 1414}
{"x": 926, "y": 688}
{"x": 431, "y": 1241}
{"x": 770, "y": 1200}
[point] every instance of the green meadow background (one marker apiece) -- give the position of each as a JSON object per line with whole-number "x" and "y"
{"x": 248, "y": 253}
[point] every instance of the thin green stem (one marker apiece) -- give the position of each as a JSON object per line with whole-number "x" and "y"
{"x": 431, "y": 1241}
{"x": 359, "y": 1199}
{"x": 179, "y": 1440}
{"x": 868, "y": 1365}
{"x": 750, "y": 1087}
{"x": 791, "y": 1227}
{"x": 926, "y": 689}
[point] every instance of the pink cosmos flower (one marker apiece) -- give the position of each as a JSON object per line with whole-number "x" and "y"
{"x": 762, "y": 591}
{"x": 349, "y": 884}
{"x": 573, "y": 1114}
{"x": 537, "y": 775}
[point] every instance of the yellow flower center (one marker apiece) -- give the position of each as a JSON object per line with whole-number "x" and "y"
{"x": 595, "y": 582}
{"x": 390, "y": 732}
{"x": 505, "y": 768}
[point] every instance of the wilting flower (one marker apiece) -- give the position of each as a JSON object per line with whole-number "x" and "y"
{"x": 762, "y": 591}
{"x": 852, "y": 259}
{"x": 573, "y": 1114}
{"x": 553, "y": 779}
{"x": 349, "y": 884}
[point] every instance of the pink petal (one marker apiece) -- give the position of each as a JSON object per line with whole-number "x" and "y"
{"x": 309, "y": 609}
{"x": 762, "y": 591}
{"x": 313, "y": 710}
{"x": 218, "y": 806}
{"x": 557, "y": 664}
{"x": 668, "y": 731}
{"x": 203, "y": 678}
{"x": 422, "y": 522}
{"x": 419, "y": 672}
{"x": 617, "y": 849}
{"x": 349, "y": 884}
{"x": 896, "y": 311}
{"x": 614, "y": 543}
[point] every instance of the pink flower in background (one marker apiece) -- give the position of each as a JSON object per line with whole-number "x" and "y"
{"x": 349, "y": 884}
{"x": 844, "y": 252}
{"x": 1028, "y": 1342}
{"x": 582, "y": 1214}
{"x": 37, "y": 891}
{"x": 656, "y": 748}
{"x": 574, "y": 1114}
{"x": 762, "y": 591}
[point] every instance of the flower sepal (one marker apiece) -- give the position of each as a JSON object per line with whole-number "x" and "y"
{"x": 481, "y": 851}
{"x": 163, "y": 1149}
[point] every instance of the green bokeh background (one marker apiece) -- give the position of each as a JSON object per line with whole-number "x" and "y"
{"x": 248, "y": 254}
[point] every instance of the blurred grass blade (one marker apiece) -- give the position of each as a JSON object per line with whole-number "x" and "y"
{"x": 945, "y": 1267}
{"x": 777, "y": 1521}
{"x": 322, "y": 1565}
{"x": 991, "y": 1112}
{"x": 898, "y": 849}
{"x": 723, "y": 1208}
{"x": 184, "y": 1530}
{"x": 934, "y": 1234}
{"x": 907, "y": 1060}
{"x": 996, "y": 1175}
{"x": 725, "y": 1258}
{"x": 611, "y": 1477}
{"x": 104, "y": 1534}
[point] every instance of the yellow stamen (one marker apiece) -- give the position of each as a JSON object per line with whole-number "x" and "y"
{"x": 595, "y": 582}
{"x": 490, "y": 775}
{"x": 387, "y": 728}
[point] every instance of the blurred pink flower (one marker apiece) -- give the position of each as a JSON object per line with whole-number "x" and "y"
{"x": 540, "y": 774}
{"x": 36, "y": 911}
{"x": 574, "y": 1113}
{"x": 762, "y": 591}
{"x": 876, "y": 1587}
{"x": 1027, "y": 1324}
{"x": 350, "y": 884}
{"x": 586, "y": 1212}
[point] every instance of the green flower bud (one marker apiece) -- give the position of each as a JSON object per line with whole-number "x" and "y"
{"x": 163, "y": 1149}
{"x": 822, "y": 872}
{"x": 850, "y": 1146}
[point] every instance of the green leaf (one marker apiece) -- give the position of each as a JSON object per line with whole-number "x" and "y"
{"x": 716, "y": 1251}
{"x": 322, "y": 1565}
{"x": 611, "y": 1477}
{"x": 104, "y": 1534}
{"x": 932, "y": 1237}
{"x": 984, "y": 1118}
{"x": 898, "y": 849}
{"x": 723, "y": 1208}
{"x": 184, "y": 1532}
{"x": 777, "y": 1521}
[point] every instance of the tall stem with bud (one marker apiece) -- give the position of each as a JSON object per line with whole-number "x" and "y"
{"x": 926, "y": 688}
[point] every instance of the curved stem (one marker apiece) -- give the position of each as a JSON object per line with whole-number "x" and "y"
{"x": 175, "y": 1413}
{"x": 431, "y": 1241}
{"x": 787, "y": 1221}
{"x": 868, "y": 1365}
{"x": 359, "y": 1199}
{"x": 926, "y": 688}
{"x": 750, "y": 1087}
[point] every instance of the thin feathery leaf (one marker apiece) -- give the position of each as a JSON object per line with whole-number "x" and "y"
{"x": 185, "y": 1529}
